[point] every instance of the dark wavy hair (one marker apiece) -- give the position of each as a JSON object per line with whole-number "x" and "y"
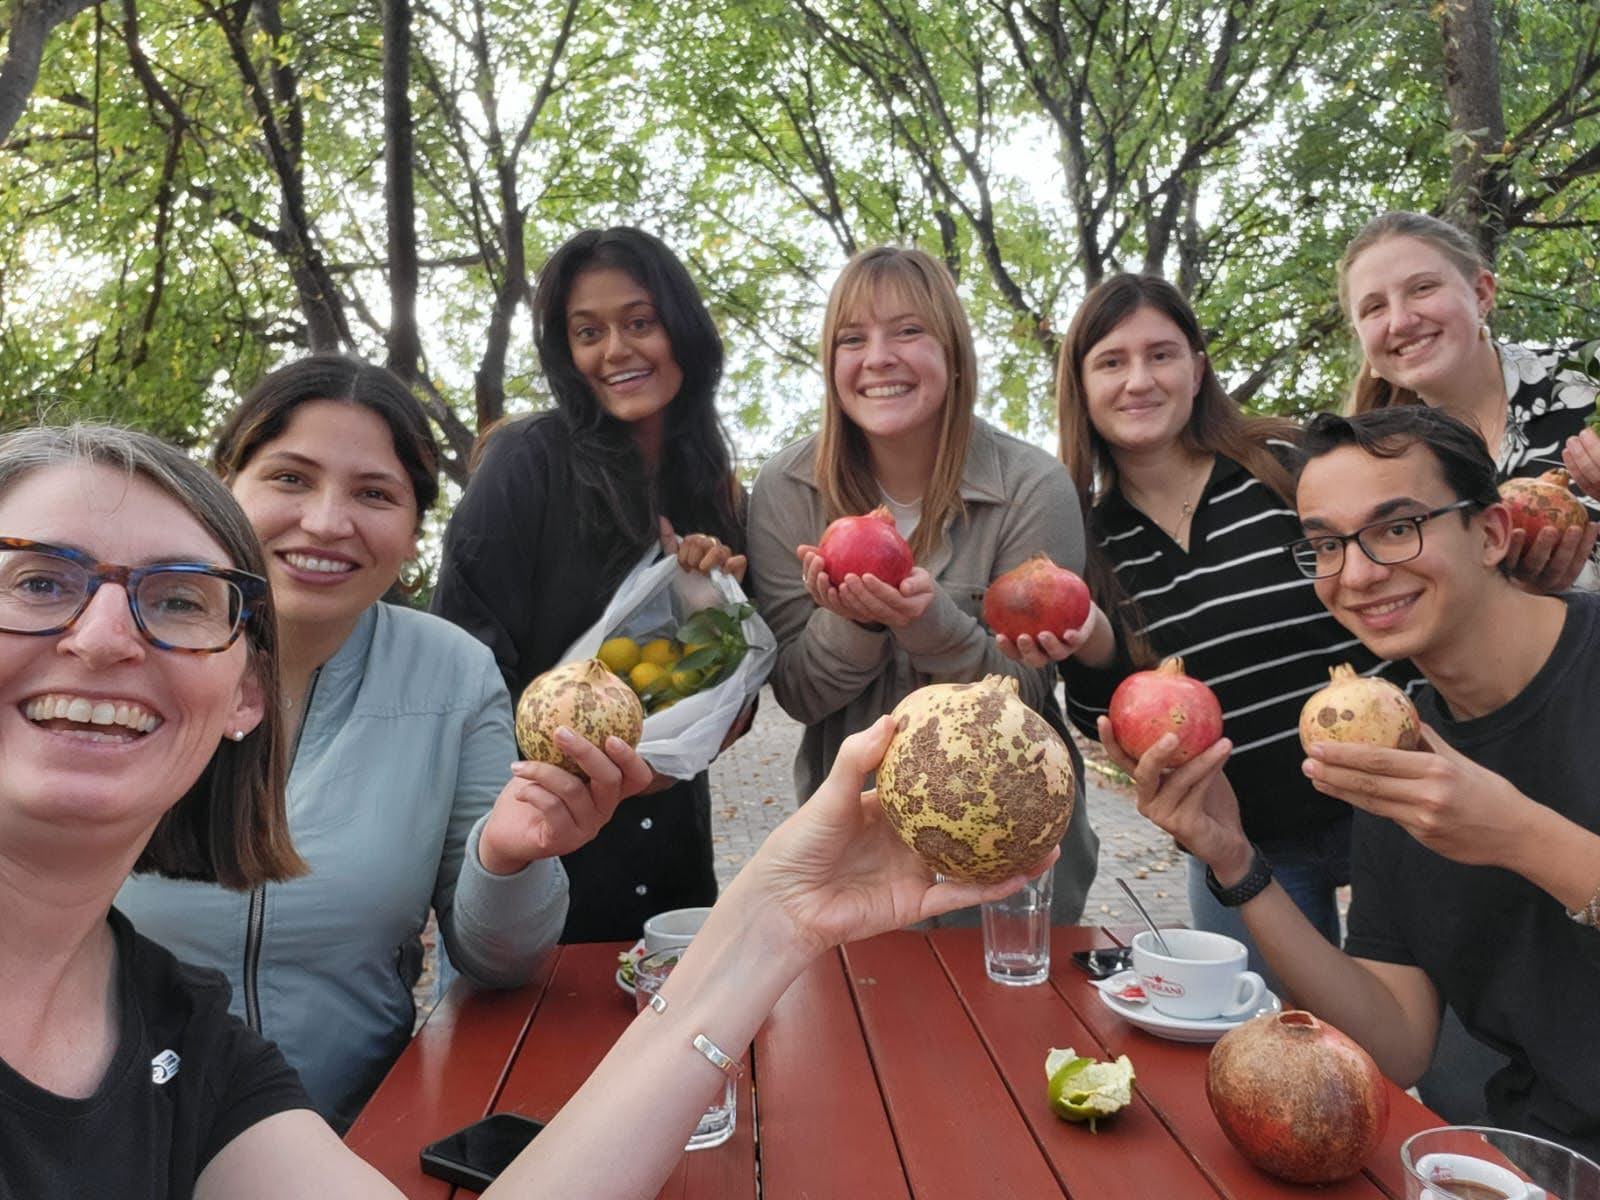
{"x": 1457, "y": 447}
{"x": 618, "y": 498}
{"x": 265, "y": 411}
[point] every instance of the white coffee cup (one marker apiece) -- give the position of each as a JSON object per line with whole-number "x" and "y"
{"x": 1447, "y": 1170}
{"x": 1203, "y": 978}
{"x": 673, "y": 929}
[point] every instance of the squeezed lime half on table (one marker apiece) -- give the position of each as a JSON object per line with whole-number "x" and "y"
{"x": 1084, "y": 1089}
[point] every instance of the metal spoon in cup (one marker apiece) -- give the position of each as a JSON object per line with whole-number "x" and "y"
{"x": 1160, "y": 941}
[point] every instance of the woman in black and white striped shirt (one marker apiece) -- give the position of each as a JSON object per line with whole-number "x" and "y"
{"x": 1190, "y": 513}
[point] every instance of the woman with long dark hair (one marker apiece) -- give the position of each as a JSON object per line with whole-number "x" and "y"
{"x": 1191, "y": 507}
{"x": 563, "y": 503}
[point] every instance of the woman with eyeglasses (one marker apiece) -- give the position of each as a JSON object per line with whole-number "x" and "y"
{"x": 403, "y": 796}
{"x": 1191, "y": 511}
{"x": 138, "y": 669}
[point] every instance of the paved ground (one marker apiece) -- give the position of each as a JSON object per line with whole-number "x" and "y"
{"x": 752, "y": 791}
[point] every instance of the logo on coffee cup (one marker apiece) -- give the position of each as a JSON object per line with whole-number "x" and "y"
{"x": 1158, "y": 986}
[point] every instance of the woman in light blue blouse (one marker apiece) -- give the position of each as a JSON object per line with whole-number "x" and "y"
{"x": 403, "y": 795}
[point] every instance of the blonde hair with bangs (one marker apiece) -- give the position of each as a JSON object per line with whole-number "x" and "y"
{"x": 843, "y": 461}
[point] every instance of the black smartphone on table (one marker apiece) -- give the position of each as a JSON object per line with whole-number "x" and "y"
{"x": 1105, "y": 962}
{"x": 474, "y": 1156}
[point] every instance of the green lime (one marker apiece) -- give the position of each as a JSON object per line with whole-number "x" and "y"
{"x": 1082, "y": 1089}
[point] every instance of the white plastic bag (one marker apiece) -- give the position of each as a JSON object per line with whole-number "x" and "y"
{"x": 657, "y": 595}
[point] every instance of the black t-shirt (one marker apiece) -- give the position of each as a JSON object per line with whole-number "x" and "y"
{"x": 516, "y": 575}
{"x": 186, "y": 1080}
{"x": 1522, "y": 975}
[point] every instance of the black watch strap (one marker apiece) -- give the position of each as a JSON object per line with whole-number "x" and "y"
{"x": 1254, "y": 882}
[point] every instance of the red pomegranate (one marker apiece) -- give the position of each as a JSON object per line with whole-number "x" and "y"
{"x": 1148, "y": 704}
{"x": 1297, "y": 1098}
{"x": 868, "y": 545}
{"x": 1037, "y": 597}
{"x": 1541, "y": 502}
{"x": 1360, "y": 708}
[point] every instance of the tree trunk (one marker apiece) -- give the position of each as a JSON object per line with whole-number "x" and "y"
{"x": 31, "y": 23}
{"x": 405, "y": 342}
{"x": 1479, "y": 190}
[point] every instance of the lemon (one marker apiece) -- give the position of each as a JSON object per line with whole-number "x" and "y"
{"x": 645, "y": 674}
{"x": 620, "y": 654}
{"x": 661, "y": 652}
{"x": 685, "y": 682}
{"x": 1081, "y": 1089}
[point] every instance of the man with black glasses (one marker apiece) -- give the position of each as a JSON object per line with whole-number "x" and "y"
{"x": 1476, "y": 862}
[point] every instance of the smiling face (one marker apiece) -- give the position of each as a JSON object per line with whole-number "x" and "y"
{"x": 890, "y": 372}
{"x": 1140, "y": 381}
{"x": 99, "y": 730}
{"x": 1416, "y": 609}
{"x": 1416, "y": 315}
{"x": 620, "y": 346}
{"x": 335, "y": 513}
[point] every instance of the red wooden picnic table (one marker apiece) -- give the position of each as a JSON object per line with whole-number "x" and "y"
{"x": 892, "y": 1069}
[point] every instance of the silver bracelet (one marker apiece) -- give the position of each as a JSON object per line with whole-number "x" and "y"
{"x": 1589, "y": 914}
{"x": 731, "y": 1067}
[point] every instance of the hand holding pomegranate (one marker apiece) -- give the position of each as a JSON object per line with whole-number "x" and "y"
{"x": 866, "y": 599}
{"x": 1193, "y": 802}
{"x": 1446, "y": 801}
{"x": 1581, "y": 455}
{"x": 1092, "y": 642}
{"x": 544, "y": 811}
{"x": 837, "y": 869}
{"x": 1551, "y": 560}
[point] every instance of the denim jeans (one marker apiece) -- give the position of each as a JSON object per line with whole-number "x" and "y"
{"x": 1309, "y": 867}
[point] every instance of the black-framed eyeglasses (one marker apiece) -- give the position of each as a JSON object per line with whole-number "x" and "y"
{"x": 1386, "y": 542}
{"x": 177, "y": 606}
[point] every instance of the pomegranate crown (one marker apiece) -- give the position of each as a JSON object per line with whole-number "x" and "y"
{"x": 1171, "y": 666}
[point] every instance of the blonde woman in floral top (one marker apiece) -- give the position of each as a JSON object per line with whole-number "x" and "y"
{"x": 1420, "y": 309}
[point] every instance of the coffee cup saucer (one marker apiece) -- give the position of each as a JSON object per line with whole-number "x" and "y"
{"x": 1178, "y": 1029}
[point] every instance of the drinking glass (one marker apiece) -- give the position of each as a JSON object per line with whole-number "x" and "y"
{"x": 717, "y": 1124}
{"x": 1016, "y": 934}
{"x": 1470, "y": 1162}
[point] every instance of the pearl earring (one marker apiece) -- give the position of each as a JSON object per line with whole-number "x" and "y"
{"x": 237, "y": 735}
{"x": 1483, "y": 331}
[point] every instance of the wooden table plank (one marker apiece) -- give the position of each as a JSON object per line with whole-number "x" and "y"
{"x": 583, "y": 1014}
{"x": 448, "y": 1077}
{"x": 1132, "y": 1157}
{"x": 1172, "y": 1078}
{"x": 960, "y": 1136}
{"x": 824, "y": 1131}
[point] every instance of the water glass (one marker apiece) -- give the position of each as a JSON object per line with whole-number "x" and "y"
{"x": 717, "y": 1124}
{"x": 1016, "y": 934}
{"x": 1469, "y": 1162}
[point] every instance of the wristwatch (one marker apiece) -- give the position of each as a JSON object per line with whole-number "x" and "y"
{"x": 1255, "y": 879}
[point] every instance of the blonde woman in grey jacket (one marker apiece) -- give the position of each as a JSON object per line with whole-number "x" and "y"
{"x": 898, "y": 430}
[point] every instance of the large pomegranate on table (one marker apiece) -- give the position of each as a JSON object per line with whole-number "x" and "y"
{"x": 1036, "y": 597}
{"x": 1543, "y": 502}
{"x": 1297, "y": 1098}
{"x": 869, "y": 545}
{"x": 585, "y": 697}
{"x": 975, "y": 781}
{"x": 1360, "y": 708}
{"x": 1148, "y": 704}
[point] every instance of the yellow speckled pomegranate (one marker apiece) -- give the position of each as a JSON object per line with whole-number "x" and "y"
{"x": 1360, "y": 708}
{"x": 585, "y": 697}
{"x": 975, "y": 781}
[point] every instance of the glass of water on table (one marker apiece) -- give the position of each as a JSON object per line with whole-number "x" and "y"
{"x": 1016, "y": 933}
{"x": 717, "y": 1123}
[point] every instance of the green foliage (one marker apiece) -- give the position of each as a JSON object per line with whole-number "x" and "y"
{"x": 149, "y": 272}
